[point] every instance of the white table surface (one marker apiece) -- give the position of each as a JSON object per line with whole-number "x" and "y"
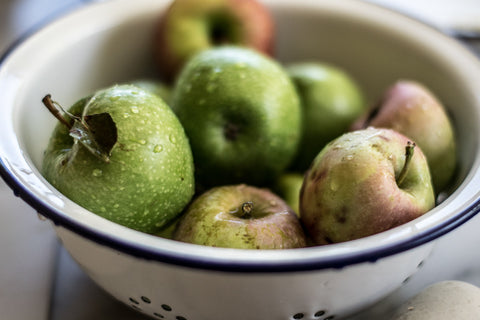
{"x": 38, "y": 278}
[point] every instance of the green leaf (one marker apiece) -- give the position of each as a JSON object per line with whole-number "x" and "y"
{"x": 97, "y": 133}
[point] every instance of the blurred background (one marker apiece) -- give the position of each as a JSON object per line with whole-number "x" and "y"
{"x": 39, "y": 280}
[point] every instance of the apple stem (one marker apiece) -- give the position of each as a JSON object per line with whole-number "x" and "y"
{"x": 51, "y": 106}
{"x": 247, "y": 208}
{"x": 409, "y": 150}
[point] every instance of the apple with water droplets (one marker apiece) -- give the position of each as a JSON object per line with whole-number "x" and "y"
{"x": 410, "y": 108}
{"x": 241, "y": 113}
{"x": 122, "y": 154}
{"x": 362, "y": 183}
{"x": 242, "y": 217}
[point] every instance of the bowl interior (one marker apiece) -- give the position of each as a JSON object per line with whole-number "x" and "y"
{"x": 70, "y": 59}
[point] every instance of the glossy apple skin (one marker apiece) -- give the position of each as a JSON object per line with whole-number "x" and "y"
{"x": 149, "y": 178}
{"x": 212, "y": 219}
{"x": 413, "y": 110}
{"x": 155, "y": 86}
{"x": 241, "y": 113}
{"x": 351, "y": 189}
{"x": 331, "y": 100}
{"x": 190, "y": 26}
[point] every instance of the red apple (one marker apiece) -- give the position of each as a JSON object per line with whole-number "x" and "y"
{"x": 189, "y": 26}
{"x": 413, "y": 110}
{"x": 362, "y": 183}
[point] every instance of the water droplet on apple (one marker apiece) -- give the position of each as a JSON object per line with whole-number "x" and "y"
{"x": 348, "y": 157}
{"x": 142, "y": 142}
{"x": 172, "y": 138}
{"x": 134, "y": 109}
{"x": 424, "y": 106}
{"x": 114, "y": 98}
{"x": 158, "y": 148}
{"x": 373, "y": 135}
{"x": 333, "y": 185}
{"x": 232, "y": 211}
{"x": 126, "y": 115}
{"x": 97, "y": 172}
{"x": 390, "y": 157}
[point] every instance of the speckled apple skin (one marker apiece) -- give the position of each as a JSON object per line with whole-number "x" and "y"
{"x": 237, "y": 90}
{"x": 413, "y": 110}
{"x": 149, "y": 179}
{"x": 212, "y": 220}
{"x": 351, "y": 191}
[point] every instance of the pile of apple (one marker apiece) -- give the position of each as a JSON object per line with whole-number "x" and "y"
{"x": 245, "y": 152}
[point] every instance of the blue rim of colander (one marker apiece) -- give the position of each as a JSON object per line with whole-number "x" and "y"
{"x": 181, "y": 259}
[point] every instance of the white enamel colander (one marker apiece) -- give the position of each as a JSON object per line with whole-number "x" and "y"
{"x": 110, "y": 42}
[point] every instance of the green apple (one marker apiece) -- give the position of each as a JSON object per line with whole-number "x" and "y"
{"x": 240, "y": 216}
{"x": 168, "y": 230}
{"x": 411, "y": 109}
{"x": 241, "y": 113}
{"x": 362, "y": 183}
{"x": 331, "y": 100}
{"x": 122, "y": 154}
{"x": 190, "y": 26}
{"x": 157, "y": 87}
{"x": 288, "y": 187}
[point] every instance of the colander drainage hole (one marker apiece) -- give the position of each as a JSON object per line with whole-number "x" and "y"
{"x": 317, "y": 315}
{"x": 406, "y": 280}
{"x": 166, "y": 307}
{"x": 135, "y": 304}
{"x": 161, "y": 316}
